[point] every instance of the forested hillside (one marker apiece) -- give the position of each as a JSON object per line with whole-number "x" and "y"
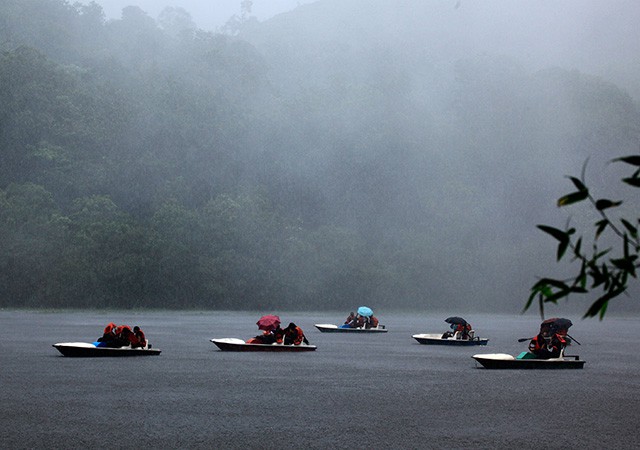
{"x": 147, "y": 163}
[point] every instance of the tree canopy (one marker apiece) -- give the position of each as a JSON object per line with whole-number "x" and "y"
{"x": 148, "y": 163}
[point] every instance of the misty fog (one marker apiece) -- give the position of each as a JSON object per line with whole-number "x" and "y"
{"x": 395, "y": 154}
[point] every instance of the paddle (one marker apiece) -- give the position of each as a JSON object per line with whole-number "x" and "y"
{"x": 573, "y": 339}
{"x": 568, "y": 335}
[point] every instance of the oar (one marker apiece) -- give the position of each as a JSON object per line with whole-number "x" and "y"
{"x": 573, "y": 339}
{"x": 568, "y": 335}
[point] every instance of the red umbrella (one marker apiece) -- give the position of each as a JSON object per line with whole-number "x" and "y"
{"x": 268, "y": 323}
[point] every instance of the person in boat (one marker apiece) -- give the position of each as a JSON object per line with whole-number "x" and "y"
{"x": 125, "y": 335}
{"x": 350, "y": 319}
{"x": 137, "y": 338}
{"x": 459, "y": 331}
{"x": 371, "y": 322}
{"x": 275, "y": 336}
{"x": 110, "y": 336}
{"x": 548, "y": 343}
{"x": 293, "y": 335}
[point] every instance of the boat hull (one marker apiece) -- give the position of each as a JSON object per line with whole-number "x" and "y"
{"x": 436, "y": 339}
{"x": 238, "y": 345}
{"x": 330, "y": 328}
{"x": 87, "y": 350}
{"x": 503, "y": 361}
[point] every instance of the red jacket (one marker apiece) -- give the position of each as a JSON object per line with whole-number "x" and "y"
{"x": 547, "y": 349}
{"x": 294, "y": 336}
{"x": 137, "y": 339}
{"x": 109, "y": 328}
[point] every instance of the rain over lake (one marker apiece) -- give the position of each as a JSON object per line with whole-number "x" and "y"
{"x": 356, "y": 391}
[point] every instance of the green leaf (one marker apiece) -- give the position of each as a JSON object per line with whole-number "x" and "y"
{"x": 546, "y": 282}
{"x": 578, "y": 184}
{"x": 634, "y": 160}
{"x": 626, "y": 265}
{"x": 600, "y": 226}
{"x": 562, "y": 249}
{"x": 530, "y": 300}
{"x": 604, "y": 204}
{"x": 633, "y": 231}
{"x": 556, "y": 233}
{"x": 572, "y": 198}
{"x": 635, "y": 181}
{"x": 577, "y": 248}
{"x": 599, "y": 307}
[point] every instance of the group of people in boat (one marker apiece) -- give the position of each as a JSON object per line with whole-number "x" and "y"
{"x": 355, "y": 320}
{"x": 291, "y": 335}
{"x": 116, "y": 336}
{"x": 551, "y": 340}
{"x": 460, "y": 329}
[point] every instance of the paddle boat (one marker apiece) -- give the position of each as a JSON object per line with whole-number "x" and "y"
{"x": 330, "y": 328}
{"x": 238, "y": 345}
{"x": 461, "y": 334}
{"x": 87, "y": 349}
{"x": 439, "y": 339}
{"x": 525, "y": 361}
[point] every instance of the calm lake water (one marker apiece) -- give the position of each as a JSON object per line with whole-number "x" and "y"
{"x": 356, "y": 391}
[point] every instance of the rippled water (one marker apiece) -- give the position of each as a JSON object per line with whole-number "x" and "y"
{"x": 355, "y": 391}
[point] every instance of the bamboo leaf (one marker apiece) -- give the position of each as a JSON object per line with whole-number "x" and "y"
{"x": 634, "y": 160}
{"x": 562, "y": 249}
{"x": 578, "y": 184}
{"x": 626, "y": 265}
{"x": 577, "y": 248}
{"x": 633, "y": 231}
{"x": 556, "y": 233}
{"x": 599, "y": 307}
{"x": 603, "y": 204}
{"x": 530, "y": 300}
{"x": 572, "y": 198}
{"x": 600, "y": 226}
{"x": 634, "y": 181}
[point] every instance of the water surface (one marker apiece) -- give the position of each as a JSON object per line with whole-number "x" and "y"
{"x": 355, "y": 391}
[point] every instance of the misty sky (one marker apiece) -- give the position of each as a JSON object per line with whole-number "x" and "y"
{"x": 207, "y": 14}
{"x": 593, "y": 36}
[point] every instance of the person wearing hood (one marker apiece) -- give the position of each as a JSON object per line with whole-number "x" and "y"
{"x": 548, "y": 343}
{"x": 293, "y": 335}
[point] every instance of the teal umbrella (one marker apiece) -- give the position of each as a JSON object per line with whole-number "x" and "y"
{"x": 365, "y": 311}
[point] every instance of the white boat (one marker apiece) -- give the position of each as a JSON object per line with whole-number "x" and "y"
{"x": 238, "y": 345}
{"x": 506, "y": 361}
{"x": 437, "y": 339}
{"x": 87, "y": 349}
{"x": 330, "y": 328}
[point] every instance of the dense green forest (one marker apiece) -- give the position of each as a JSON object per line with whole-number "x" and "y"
{"x": 148, "y": 163}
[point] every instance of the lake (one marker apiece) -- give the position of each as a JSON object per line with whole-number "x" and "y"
{"x": 356, "y": 391}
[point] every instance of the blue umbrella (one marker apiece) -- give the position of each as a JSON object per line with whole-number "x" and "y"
{"x": 365, "y": 311}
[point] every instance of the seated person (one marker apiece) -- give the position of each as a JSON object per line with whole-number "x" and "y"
{"x": 371, "y": 322}
{"x": 293, "y": 335}
{"x": 349, "y": 323}
{"x": 113, "y": 336}
{"x": 358, "y": 322}
{"x": 268, "y": 337}
{"x": 137, "y": 338}
{"x": 547, "y": 344}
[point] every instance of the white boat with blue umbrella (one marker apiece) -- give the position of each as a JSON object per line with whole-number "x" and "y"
{"x": 355, "y": 324}
{"x": 331, "y": 328}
